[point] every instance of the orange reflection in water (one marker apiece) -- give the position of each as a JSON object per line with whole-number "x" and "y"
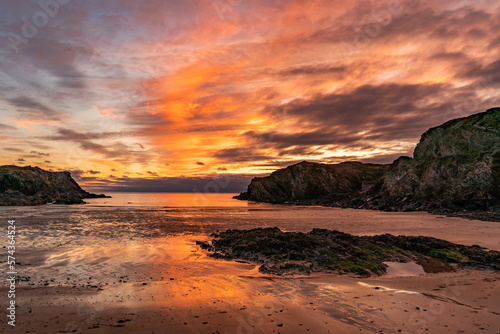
{"x": 168, "y": 270}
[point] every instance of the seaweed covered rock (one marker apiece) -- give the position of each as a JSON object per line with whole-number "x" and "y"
{"x": 324, "y": 250}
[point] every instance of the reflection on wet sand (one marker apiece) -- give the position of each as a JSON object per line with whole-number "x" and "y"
{"x": 109, "y": 270}
{"x": 398, "y": 269}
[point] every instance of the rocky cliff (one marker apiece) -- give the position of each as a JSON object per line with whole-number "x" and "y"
{"x": 35, "y": 186}
{"x": 456, "y": 168}
{"x": 311, "y": 181}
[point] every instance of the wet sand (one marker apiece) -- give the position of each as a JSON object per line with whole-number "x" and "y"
{"x": 451, "y": 303}
{"x": 111, "y": 270}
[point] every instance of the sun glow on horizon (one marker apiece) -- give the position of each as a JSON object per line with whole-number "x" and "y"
{"x": 188, "y": 91}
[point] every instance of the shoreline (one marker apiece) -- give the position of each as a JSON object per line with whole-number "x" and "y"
{"x": 488, "y": 216}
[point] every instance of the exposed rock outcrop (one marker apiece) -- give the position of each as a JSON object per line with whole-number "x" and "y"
{"x": 333, "y": 251}
{"x": 309, "y": 181}
{"x": 455, "y": 170}
{"x": 456, "y": 167}
{"x": 35, "y": 186}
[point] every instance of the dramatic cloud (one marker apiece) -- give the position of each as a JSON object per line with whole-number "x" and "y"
{"x": 181, "y": 91}
{"x": 5, "y": 127}
{"x": 11, "y": 149}
{"x": 40, "y": 153}
{"x": 207, "y": 184}
{"x": 351, "y": 119}
{"x": 32, "y": 108}
{"x": 71, "y": 135}
{"x": 314, "y": 70}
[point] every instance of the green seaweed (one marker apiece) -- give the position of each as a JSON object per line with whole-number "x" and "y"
{"x": 324, "y": 250}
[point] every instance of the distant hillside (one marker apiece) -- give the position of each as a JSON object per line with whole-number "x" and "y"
{"x": 35, "y": 186}
{"x": 455, "y": 169}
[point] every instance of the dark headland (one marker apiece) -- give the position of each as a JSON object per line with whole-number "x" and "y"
{"x": 35, "y": 186}
{"x": 455, "y": 170}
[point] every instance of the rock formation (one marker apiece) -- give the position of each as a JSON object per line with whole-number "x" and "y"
{"x": 332, "y": 251}
{"x": 456, "y": 166}
{"x": 35, "y": 186}
{"x": 455, "y": 169}
{"x": 308, "y": 181}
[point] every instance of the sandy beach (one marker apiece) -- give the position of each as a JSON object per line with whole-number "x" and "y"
{"x": 463, "y": 302}
{"x": 93, "y": 269}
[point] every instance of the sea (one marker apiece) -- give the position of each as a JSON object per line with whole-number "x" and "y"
{"x": 138, "y": 228}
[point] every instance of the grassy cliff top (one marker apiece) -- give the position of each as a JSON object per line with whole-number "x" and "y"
{"x": 474, "y": 134}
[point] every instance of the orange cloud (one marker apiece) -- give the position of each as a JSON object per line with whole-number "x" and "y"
{"x": 248, "y": 85}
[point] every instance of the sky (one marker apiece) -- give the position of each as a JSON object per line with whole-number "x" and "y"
{"x": 203, "y": 95}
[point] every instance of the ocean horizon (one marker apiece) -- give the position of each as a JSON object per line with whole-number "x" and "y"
{"x": 168, "y": 199}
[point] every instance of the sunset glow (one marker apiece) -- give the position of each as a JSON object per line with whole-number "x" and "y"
{"x": 121, "y": 93}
